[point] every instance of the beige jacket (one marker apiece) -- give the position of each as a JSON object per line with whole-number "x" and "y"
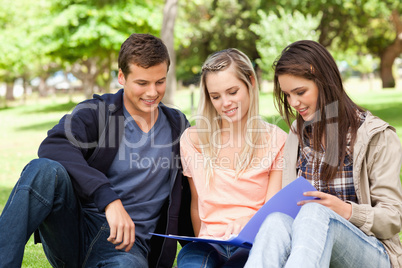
{"x": 377, "y": 159}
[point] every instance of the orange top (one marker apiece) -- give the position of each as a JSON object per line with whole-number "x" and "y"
{"x": 227, "y": 199}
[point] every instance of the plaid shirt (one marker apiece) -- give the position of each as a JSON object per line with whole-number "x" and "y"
{"x": 342, "y": 185}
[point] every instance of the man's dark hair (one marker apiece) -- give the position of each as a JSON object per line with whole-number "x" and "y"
{"x": 143, "y": 50}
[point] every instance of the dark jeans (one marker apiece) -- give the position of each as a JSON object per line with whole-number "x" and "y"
{"x": 44, "y": 199}
{"x": 198, "y": 254}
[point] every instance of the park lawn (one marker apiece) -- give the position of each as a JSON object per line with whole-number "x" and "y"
{"x": 25, "y": 126}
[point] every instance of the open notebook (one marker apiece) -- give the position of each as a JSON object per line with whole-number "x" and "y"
{"x": 284, "y": 201}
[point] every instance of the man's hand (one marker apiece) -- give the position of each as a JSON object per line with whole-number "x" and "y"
{"x": 122, "y": 228}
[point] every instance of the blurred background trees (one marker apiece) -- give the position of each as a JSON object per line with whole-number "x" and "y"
{"x": 49, "y": 45}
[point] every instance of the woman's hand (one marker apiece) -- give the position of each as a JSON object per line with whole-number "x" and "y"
{"x": 236, "y": 226}
{"x": 330, "y": 201}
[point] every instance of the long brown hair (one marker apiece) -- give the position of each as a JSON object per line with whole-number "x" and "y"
{"x": 336, "y": 113}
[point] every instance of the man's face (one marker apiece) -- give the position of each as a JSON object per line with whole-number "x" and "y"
{"x": 143, "y": 89}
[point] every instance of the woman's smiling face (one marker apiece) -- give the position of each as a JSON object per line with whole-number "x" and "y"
{"x": 228, "y": 94}
{"x": 301, "y": 94}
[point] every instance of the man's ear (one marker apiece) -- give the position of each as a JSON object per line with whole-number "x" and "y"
{"x": 121, "y": 78}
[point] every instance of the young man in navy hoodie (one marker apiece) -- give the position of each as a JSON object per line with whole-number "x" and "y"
{"x": 108, "y": 174}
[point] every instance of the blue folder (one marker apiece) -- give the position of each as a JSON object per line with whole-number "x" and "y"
{"x": 284, "y": 201}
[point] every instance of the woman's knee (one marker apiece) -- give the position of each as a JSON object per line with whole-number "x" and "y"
{"x": 276, "y": 222}
{"x": 314, "y": 210}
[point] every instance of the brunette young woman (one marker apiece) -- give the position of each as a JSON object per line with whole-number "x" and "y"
{"x": 352, "y": 158}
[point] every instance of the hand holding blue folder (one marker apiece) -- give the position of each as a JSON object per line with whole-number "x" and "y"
{"x": 284, "y": 201}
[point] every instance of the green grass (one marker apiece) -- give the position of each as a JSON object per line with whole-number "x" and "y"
{"x": 25, "y": 126}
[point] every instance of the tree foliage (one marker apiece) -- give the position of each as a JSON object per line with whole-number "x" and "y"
{"x": 359, "y": 26}
{"x": 206, "y": 26}
{"x": 84, "y": 36}
{"x": 276, "y": 30}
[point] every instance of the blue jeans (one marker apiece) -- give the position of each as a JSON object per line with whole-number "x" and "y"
{"x": 44, "y": 199}
{"x": 198, "y": 254}
{"x": 318, "y": 237}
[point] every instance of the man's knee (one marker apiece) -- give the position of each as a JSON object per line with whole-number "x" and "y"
{"x": 42, "y": 164}
{"x": 43, "y": 172}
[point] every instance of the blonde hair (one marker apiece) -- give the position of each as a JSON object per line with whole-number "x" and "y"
{"x": 209, "y": 119}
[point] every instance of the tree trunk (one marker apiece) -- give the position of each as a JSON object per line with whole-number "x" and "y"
{"x": 107, "y": 70}
{"x": 42, "y": 87}
{"x": 86, "y": 71}
{"x": 26, "y": 88}
{"x": 47, "y": 69}
{"x": 387, "y": 60}
{"x": 89, "y": 86}
{"x": 70, "y": 86}
{"x": 391, "y": 53}
{"x": 167, "y": 34}
{"x": 10, "y": 91}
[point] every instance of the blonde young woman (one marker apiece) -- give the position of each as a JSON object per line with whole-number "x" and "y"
{"x": 232, "y": 157}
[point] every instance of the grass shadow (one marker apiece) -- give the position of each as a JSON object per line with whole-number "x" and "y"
{"x": 390, "y": 112}
{"x": 44, "y": 126}
{"x": 5, "y": 108}
{"x": 64, "y": 107}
